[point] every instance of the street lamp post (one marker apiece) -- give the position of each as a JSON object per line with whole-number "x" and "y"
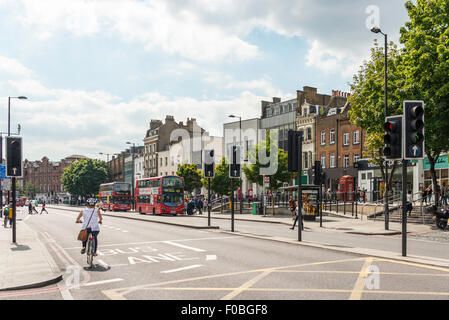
{"x": 132, "y": 183}
{"x": 107, "y": 155}
{"x": 241, "y": 150}
{"x": 13, "y": 180}
{"x": 387, "y": 215}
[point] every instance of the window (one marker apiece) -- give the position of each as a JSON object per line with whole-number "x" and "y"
{"x": 332, "y": 161}
{"x": 346, "y": 161}
{"x": 309, "y": 133}
{"x": 356, "y": 137}
{"x": 332, "y": 136}
{"x": 161, "y": 162}
{"x": 305, "y": 112}
{"x": 166, "y": 161}
{"x": 323, "y": 161}
{"x": 363, "y": 176}
{"x": 346, "y": 138}
{"x": 323, "y": 138}
{"x": 306, "y": 164}
{"x": 356, "y": 158}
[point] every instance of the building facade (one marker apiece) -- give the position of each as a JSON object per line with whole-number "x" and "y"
{"x": 46, "y": 175}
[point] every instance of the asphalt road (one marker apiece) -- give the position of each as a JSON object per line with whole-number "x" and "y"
{"x": 143, "y": 260}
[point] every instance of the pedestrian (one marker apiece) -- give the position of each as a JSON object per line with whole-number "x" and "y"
{"x": 33, "y": 206}
{"x": 297, "y": 218}
{"x": 30, "y": 207}
{"x": 5, "y": 216}
{"x": 190, "y": 207}
{"x": 199, "y": 206}
{"x": 292, "y": 205}
{"x": 409, "y": 207}
{"x": 444, "y": 194}
{"x": 429, "y": 194}
{"x": 423, "y": 195}
{"x": 43, "y": 207}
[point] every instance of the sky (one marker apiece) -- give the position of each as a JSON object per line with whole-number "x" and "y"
{"x": 95, "y": 72}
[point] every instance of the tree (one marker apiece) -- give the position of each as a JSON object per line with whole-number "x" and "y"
{"x": 279, "y": 177}
{"x": 426, "y": 71}
{"x": 367, "y": 101}
{"x": 83, "y": 177}
{"x": 191, "y": 176}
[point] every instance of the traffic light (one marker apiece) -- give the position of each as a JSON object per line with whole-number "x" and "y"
{"x": 393, "y": 138}
{"x": 317, "y": 173}
{"x": 234, "y": 167}
{"x": 413, "y": 130}
{"x": 294, "y": 140}
{"x": 13, "y": 157}
{"x": 209, "y": 164}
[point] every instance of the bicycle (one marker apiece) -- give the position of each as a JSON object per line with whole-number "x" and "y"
{"x": 90, "y": 249}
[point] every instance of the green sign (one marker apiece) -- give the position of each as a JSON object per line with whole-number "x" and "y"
{"x": 303, "y": 180}
{"x": 442, "y": 163}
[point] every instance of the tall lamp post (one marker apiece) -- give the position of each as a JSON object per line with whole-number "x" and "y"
{"x": 132, "y": 181}
{"x": 241, "y": 150}
{"x": 377, "y": 30}
{"x": 107, "y": 155}
{"x": 13, "y": 180}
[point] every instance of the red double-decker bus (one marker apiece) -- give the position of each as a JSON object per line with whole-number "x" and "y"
{"x": 160, "y": 195}
{"x": 115, "y": 196}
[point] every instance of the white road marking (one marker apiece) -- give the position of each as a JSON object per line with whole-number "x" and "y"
{"x": 65, "y": 293}
{"x": 211, "y": 257}
{"x": 182, "y": 269}
{"x": 102, "y": 282}
{"x": 159, "y": 241}
{"x": 184, "y": 246}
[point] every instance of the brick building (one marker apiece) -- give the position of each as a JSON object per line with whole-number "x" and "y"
{"x": 157, "y": 139}
{"x": 45, "y": 175}
{"x": 339, "y": 144}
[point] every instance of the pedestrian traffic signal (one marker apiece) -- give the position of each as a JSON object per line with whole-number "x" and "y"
{"x": 235, "y": 167}
{"x": 209, "y": 164}
{"x": 294, "y": 146}
{"x": 13, "y": 157}
{"x": 413, "y": 130}
{"x": 317, "y": 173}
{"x": 393, "y": 138}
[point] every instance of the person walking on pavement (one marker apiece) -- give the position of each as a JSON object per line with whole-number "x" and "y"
{"x": 30, "y": 207}
{"x": 297, "y": 218}
{"x": 291, "y": 205}
{"x": 33, "y": 206}
{"x": 199, "y": 205}
{"x": 409, "y": 206}
{"x": 43, "y": 208}
{"x": 5, "y": 216}
{"x": 429, "y": 194}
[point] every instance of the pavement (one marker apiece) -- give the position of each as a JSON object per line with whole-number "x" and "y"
{"x": 331, "y": 221}
{"x": 27, "y": 263}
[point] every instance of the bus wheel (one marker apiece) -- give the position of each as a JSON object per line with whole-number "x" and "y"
{"x": 154, "y": 211}
{"x": 140, "y": 210}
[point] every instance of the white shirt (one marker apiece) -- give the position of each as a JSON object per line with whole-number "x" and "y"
{"x": 93, "y": 224}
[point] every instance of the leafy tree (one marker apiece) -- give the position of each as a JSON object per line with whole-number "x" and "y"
{"x": 83, "y": 177}
{"x": 426, "y": 70}
{"x": 191, "y": 175}
{"x": 253, "y": 172}
{"x": 367, "y": 100}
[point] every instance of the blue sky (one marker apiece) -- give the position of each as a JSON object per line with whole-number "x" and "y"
{"x": 97, "y": 71}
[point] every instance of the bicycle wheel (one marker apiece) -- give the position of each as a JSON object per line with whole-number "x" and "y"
{"x": 90, "y": 254}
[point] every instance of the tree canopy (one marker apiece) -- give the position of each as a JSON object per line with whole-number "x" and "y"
{"x": 191, "y": 175}
{"x": 83, "y": 177}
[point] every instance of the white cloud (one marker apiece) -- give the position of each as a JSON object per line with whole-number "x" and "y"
{"x": 60, "y": 122}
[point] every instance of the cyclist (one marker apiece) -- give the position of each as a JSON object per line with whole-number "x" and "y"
{"x": 91, "y": 220}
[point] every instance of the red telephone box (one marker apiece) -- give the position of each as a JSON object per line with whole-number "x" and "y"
{"x": 346, "y": 188}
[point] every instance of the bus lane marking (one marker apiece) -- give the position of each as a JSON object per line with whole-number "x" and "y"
{"x": 184, "y": 246}
{"x": 183, "y": 268}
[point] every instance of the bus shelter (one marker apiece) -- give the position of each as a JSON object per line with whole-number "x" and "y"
{"x": 310, "y": 199}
